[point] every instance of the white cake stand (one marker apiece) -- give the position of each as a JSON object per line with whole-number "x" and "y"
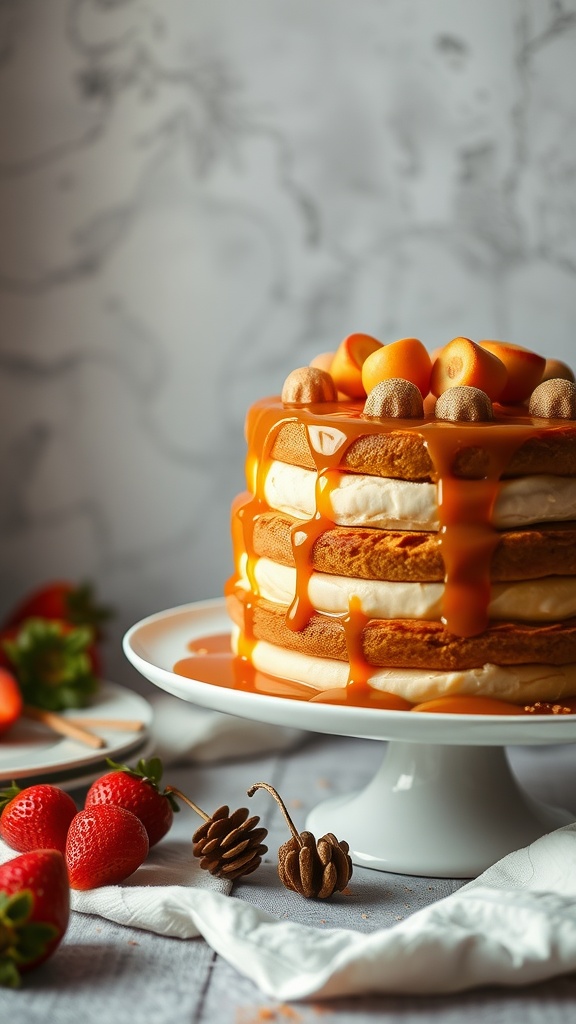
{"x": 444, "y": 802}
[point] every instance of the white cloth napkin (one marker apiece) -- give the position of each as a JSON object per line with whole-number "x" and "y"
{"x": 182, "y": 732}
{"x": 514, "y": 925}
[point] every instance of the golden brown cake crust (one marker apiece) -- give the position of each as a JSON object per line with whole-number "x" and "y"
{"x": 402, "y": 454}
{"x": 415, "y": 556}
{"x": 410, "y": 643}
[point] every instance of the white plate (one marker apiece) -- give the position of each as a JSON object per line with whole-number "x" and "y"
{"x": 31, "y": 751}
{"x": 156, "y": 643}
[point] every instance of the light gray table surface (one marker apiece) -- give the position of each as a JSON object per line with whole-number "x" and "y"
{"x": 104, "y": 972}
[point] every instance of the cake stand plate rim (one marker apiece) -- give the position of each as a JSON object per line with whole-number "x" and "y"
{"x": 155, "y": 643}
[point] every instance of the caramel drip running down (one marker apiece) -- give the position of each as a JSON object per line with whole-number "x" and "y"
{"x": 354, "y": 623}
{"x": 326, "y": 447}
{"x": 303, "y": 537}
{"x": 467, "y": 537}
{"x": 243, "y": 516}
{"x": 245, "y": 511}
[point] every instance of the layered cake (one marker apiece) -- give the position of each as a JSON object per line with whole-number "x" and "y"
{"x": 408, "y": 534}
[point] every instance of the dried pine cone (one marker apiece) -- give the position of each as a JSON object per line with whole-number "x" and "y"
{"x": 310, "y": 868}
{"x": 314, "y": 868}
{"x": 228, "y": 845}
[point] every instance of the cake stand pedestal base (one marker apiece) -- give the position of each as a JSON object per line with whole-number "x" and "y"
{"x": 438, "y": 811}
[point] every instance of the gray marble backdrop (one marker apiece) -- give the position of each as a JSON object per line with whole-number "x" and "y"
{"x": 195, "y": 198}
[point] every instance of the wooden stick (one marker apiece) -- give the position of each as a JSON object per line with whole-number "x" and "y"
{"x": 64, "y": 726}
{"x": 127, "y": 724}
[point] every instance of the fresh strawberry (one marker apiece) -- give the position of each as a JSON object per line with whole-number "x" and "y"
{"x": 105, "y": 844}
{"x": 35, "y": 818}
{"x": 64, "y": 600}
{"x": 52, "y": 663}
{"x": 138, "y": 790}
{"x": 11, "y": 702}
{"x": 34, "y": 911}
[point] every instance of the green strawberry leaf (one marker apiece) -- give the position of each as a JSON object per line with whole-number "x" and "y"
{"x": 52, "y": 664}
{"x": 9, "y": 973}
{"x": 83, "y": 609}
{"x": 22, "y": 941}
{"x": 32, "y": 940}
{"x": 15, "y": 910}
{"x": 150, "y": 771}
{"x": 8, "y": 794}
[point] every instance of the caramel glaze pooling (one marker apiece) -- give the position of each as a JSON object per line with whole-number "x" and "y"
{"x": 466, "y": 536}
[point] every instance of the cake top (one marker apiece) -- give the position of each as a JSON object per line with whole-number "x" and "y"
{"x": 464, "y": 381}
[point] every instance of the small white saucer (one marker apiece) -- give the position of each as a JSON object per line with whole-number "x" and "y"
{"x": 31, "y": 752}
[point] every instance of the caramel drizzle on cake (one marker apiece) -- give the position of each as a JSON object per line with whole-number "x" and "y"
{"x": 466, "y": 536}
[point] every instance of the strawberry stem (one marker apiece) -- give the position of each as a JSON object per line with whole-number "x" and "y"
{"x": 150, "y": 772}
{"x": 182, "y": 796}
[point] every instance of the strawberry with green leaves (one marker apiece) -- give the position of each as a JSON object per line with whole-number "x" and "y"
{"x": 105, "y": 844}
{"x": 138, "y": 790}
{"x": 35, "y": 818}
{"x": 53, "y": 663}
{"x": 34, "y": 911}
{"x": 50, "y": 641}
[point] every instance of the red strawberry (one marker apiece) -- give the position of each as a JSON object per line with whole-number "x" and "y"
{"x": 61, "y": 599}
{"x": 34, "y": 911}
{"x": 36, "y": 818}
{"x": 105, "y": 844}
{"x": 137, "y": 789}
{"x": 11, "y": 702}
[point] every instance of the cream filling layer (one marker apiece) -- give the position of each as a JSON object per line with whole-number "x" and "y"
{"x": 549, "y": 599}
{"x": 519, "y": 684}
{"x": 385, "y": 503}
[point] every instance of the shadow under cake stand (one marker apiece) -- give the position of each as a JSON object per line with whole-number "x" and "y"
{"x": 444, "y": 802}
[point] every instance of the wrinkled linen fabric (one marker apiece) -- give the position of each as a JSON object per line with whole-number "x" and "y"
{"x": 513, "y": 925}
{"x": 183, "y": 733}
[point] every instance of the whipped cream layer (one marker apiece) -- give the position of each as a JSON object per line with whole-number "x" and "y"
{"x": 548, "y": 599}
{"x": 386, "y": 503}
{"x": 519, "y": 684}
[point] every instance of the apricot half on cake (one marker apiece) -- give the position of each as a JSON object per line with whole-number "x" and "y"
{"x": 323, "y": 361}
{"x": 524, "y": 367}
{"x": 406, "y": 358}
{"x": 346, "y": 367}
{"x": 464, "y": 363}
